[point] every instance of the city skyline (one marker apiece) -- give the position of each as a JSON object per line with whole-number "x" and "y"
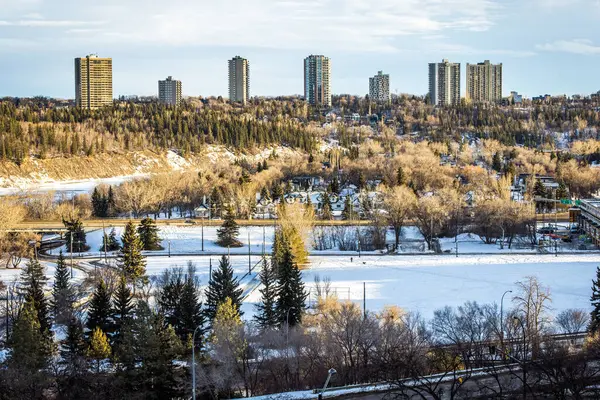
{"x": 397, "y": 38}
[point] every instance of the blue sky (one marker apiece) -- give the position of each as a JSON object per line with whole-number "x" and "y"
{"x": 546, "y": 46}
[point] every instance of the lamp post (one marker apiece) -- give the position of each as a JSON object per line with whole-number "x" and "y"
{"x": 194, "y": 363}
{"x": 523, "y": 365}
{"x": 502, "y": 318}
{"x": 330, "y": 373}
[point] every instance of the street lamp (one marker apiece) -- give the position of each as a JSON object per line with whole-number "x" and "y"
{"x": 517, "y": 319}
{"x": 502, "y": 318}
{"x": 330, "y": 373}
{"x": 194, "y": 362}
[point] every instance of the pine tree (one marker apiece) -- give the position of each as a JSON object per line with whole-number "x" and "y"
{"x": 148, "y": 233}
{"x": 32, "y": 288}
{"x": 30, "y": 349}
{"x": 539, "y": 189}
{"x": 561, "y": 192}
{"x": 73, "y": 347}
{"x": 190, "y": 309}
{"x": 291, "y": 296}
{"x": 400, "y": 176}
{"x": 99, "y": 348}
{"x": 122, "y": 307}
{"x": 75, "y": 235}
{"x": 326, "y": 213}
{"x": 228, "y": 232}
{"x": 110, "y": 242}
{"x": 595, "y": 300}
{"x": 99, "y": 204}
{"x": 266, "y": 314}
{"x": 63, "y": 294}
{"x": 497, "y": 162}
{"x": 276, "y": 191}
{"x": 348, "y": 212}
{"x": 110, "y": 199}
{"x": 221, "y": 286}
{"x": 99, "y": 310}
{"x": 131, "y": 260}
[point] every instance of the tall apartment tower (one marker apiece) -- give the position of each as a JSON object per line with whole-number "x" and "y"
{"x": 379, "y": 87}
{"x": 444, "y": 83}
{"x": 239, "y": 80}
{"x": 317, "y": 80}
{"x": 93, "y": 82}
{"x": 169, "y": 91}
{"x": 484, "y": 82}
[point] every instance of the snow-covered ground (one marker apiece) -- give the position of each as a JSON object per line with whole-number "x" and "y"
{"x": 66, "y": 188}
{"x": 9, "y": 275}
{"x": 424, "y": 283}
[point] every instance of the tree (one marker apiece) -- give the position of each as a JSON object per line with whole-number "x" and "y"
{"x": 399, "y": 202}
{"x": 561, "y": 192}
{"x": 131, "y": 260}
{"x": 148, "y": 233}
{"x": 73, "y": 347}
{"x": 400, "y": 176}
{"x": 291, "y": 296}
{"x": 63, "y": 294}
{"x": 539, "y": 190}
{"x": 99, "y": 348}
{"x": 30, "y": 348}
{"x": 223, "y": 285}
{"x": 228, "y": 232}
{"x": 595, "y": 300}
{"x": 348, "y": 213}
{"x": 110, "y": 242}
{"x": 326, "y": 213}
{"x": 497, "y": 162}
{"x": 99, "y": 204}
{"x": 32, "y": 288}
{"x": 266, "y": 313}
{"x": 99, "y": 309}
{"x": 122, "y": 307}
{"x": 75, "y": 235}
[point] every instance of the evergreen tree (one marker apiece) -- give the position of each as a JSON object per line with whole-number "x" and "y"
{"x": 110, "y": 242}
{"x": 348, "y": 212}
{"x": 73, "y": 347}
{"x": 30, "y": 349}
{"x": 266, "y": 314}
{"x": 400, "y": 176}
{"x": 99, "y": 309}
{"x": 99, "y": 204}
{"x": 561, "y": 192}
{"x": 32, "y": 288}
{"x": 131, "y": 260}
{"x": 326, "y": 213}
{"x": 221, "y": 286}
{"x": 291, "y": 296}
{"x": 122, "y": 307}
{"x": 99, "y": 348}
{"x": 228, "y": 232}
{"x": 595, "y": 300}
{"x": 539, "y": 189}
{"x": 63, "y": 294}
{"x": 190, "y": 309}
{"x": 497, "y": 162}
{"x": 264, "y": 194}
{"x": 110, "y": 201}
{"x": 75, "y": 235}
{"x": 148, "y": 233}
{"x": 276, "y": 191}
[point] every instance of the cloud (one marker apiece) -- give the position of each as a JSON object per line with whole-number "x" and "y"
{"x": 575, "y": 46}
{"x": 319, "y": 25}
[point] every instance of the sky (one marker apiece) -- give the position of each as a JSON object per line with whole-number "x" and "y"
{"x": 546, "y": 46}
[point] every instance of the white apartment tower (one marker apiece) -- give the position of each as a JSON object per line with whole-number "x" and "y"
{"x": 444, "y": 83}
{"x": 239, "y": 80}
{"x": 317, "y": 80}
{"x": 484, "y": 82}
{"x": 169, "y": 91}
{"x": 379, "y": 88}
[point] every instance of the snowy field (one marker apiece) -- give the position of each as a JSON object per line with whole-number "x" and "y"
{"x": 424, "y": 283}
{"x": 187, "y": 240}
{"x": 9, "y": 275}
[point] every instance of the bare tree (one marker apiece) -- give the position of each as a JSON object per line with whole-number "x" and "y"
{"x": 399, "y": 203}
{"x": 572, "y": 320}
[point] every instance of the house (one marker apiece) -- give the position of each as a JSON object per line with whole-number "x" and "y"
{"x": 202, "y": 211}
{"x": 265, "y": 209}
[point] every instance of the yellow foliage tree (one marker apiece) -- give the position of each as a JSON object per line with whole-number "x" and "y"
{"x": 99, "y": 347}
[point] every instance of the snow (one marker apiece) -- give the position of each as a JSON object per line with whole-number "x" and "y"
{"x": 67, "y": 188}
{"x": 9, "y": 275}
{"x": 424, "y": 283}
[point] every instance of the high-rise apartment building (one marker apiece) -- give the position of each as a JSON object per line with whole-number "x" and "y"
{"x": 93, "y": 82}
{"x": 484, "y": 82}
{"x": 379, "y": 87}
{"x": 169, "y": 91}
{"x": 239, "y": 80}
{"x": 444, "y": 83}
{"x": 317, "y": 80}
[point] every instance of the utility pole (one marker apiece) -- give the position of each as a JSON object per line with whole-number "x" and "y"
{"x": 202, "y": 233}
{"x": 104, "y": 240}
{"x": 249, "y": 253}
{"x": 210, "y": 269}
{"x": 365, "y": 300}
{"x": 71, "y": 236}
{"x": 264, "y": 241}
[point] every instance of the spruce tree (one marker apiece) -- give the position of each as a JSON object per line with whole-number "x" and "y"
{"x": 99, "y": 310}
{"x": 99, "y": 348}
{"x": 266, "y": 313}
{"x": 110, "y": 201}
{"x": 99, "y": 204}
{"x": 75, "y": 235}
{"x": 221, "y": 286}
{"x": 122, "y": 307}
{"x": 400, "y": 176}
{"x": 291, "y": 296}
{"x": 73, "y": 347}
{"x": 32, "y": 288}
{"x": 595, "y": 300}
{"x": 30, "y": 349}
{"x": 131, "y": 260}
{"x": 110, "y": 242}
{"x": 190, "y": 311}
{"x": 148, "y": 233}
{"x": 348, "y": 212}
{"x": 326, "y": 213}
{"x": 63, "y": 294}
{"x": 228, "y": 232}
